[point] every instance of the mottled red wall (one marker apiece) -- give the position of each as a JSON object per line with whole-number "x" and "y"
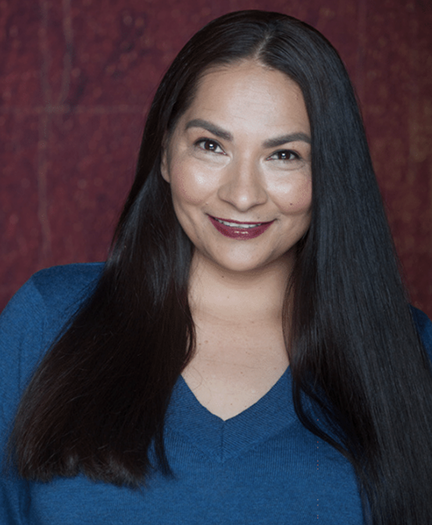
{"x": 76, "y": 80}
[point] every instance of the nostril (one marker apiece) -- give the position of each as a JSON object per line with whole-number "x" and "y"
{"x": 243, "y": 192}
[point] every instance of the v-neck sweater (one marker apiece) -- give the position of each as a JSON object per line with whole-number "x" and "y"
{"x": 261, "y": 466}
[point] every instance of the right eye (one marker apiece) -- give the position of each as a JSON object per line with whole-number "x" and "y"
{"x": 209, "y": 145}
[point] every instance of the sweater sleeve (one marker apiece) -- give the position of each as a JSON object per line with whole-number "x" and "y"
{"x": 30, "y": 323}
{"x": 22, "y": 342}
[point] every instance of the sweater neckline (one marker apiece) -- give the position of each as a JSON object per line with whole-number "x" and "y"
{"x": 222, "y": 440}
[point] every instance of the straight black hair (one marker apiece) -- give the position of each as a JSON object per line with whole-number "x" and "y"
{"x": 355, "y": 356}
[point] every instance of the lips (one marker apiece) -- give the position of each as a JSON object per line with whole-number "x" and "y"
{"x": 239, "y": 230}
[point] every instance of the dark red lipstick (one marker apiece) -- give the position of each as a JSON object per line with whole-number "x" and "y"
{"x": 244, "y": 230}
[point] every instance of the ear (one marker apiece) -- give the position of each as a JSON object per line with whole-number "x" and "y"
{"x": 164, "y": 166}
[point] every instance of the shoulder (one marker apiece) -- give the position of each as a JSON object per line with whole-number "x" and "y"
{"x": 66, "y": 280}
{"x": 54, "y": 293}
{"x": 64, "y": 287}
{"x": 37, "y": 314}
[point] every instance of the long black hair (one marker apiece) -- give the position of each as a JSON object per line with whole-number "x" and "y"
{"x": 355, "y": 356}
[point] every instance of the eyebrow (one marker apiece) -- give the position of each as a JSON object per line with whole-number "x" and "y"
{"x": 226, "y": 135}
{"x": 283, "y": 139}
{"x": 216, "y": 130}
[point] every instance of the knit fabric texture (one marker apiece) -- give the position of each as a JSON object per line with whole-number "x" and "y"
{"x": 261, "y": 466}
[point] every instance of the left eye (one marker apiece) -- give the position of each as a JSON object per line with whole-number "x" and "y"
{"x": 284, "y": 155}
{"x": 209, "y": 145}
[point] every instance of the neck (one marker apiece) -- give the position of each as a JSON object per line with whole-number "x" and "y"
{"x": 240, "y": 347}
{"x": 232, "y": 297}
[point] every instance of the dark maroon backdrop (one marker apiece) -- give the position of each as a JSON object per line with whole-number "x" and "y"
{"x": 76, "y": 80}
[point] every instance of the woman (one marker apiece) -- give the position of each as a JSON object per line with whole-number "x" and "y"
{"x": 253, "y": 239}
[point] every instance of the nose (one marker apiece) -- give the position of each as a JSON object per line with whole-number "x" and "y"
{"x": 243, "y": 186}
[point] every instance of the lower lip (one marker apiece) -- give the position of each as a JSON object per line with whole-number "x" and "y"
{"x": 240, "y": 233}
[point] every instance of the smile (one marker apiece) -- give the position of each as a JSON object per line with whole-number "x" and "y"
{"x": 239, "y": 230}
{"x": 239, "y": 224}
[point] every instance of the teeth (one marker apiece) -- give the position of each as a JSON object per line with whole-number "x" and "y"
{"x": 237, "y": 225}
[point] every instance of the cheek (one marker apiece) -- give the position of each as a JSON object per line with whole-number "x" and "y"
{"x": 294, "y": 198}
{"x": 189, "y": 186}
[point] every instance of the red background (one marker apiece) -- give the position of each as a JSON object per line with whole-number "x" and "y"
{"x": 76, "y": 79}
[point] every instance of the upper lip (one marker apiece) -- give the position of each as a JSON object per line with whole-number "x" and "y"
{"x": 238, "y": 222}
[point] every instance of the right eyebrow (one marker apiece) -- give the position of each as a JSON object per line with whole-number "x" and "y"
{"x": 212, "y": 128}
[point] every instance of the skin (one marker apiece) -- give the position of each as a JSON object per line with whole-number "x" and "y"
{"x": 241, "y": 152}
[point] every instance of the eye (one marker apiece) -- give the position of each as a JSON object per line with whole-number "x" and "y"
{"x": 285, "y": 155}
{"x": 209, "y": 145}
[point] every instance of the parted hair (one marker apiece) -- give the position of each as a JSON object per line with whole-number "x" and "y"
{"x": 355, "y": 356}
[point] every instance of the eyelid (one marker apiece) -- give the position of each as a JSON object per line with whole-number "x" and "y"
{"x": 202, "y": 140}
{"x": 289, "y": 152}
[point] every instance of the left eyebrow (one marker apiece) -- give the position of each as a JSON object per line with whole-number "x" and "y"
{"x": 284, "y": 139}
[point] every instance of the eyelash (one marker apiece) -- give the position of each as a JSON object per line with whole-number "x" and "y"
{"x": 201, "y": 143}
{"x": 288, "y": 153}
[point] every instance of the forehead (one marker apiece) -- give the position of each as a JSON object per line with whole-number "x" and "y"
{"x": 248, "y": 94}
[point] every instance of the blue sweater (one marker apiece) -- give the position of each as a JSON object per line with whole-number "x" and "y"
{"x": 261, "y": 466}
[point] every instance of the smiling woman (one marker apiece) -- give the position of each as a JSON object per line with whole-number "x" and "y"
{"x": 234, "y": 179}
{"x": 247, "y": 353}
{"x": 239, "y": 166}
